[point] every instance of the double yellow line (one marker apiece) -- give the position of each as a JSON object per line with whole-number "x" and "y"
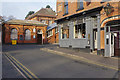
{"x": 21, "y": 68}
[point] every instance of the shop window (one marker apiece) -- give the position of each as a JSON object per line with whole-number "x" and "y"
{"x": 56, "y": 30}
{"x": 50, "y": 33}
{"x": 14, "y": 34}
{"x": 65, "y": 32}
{"x": 80, "y": 31}
{"x": 27, "y": 34}
{"x": 65, "y": 7}
{"x": 79, "y": 5}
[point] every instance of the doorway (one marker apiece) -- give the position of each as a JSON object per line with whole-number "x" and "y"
{"x": 112, "y": 44}
{"x": 116, "y": 41}
{"x": 95, "y": 39}
{"x": 39, "y": 38}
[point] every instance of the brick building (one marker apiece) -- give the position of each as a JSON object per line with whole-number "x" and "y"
{"x": 24, "y": 31}
{"x": 52, "y": 33}
{"x": 44, "y": 15}
{"x": 47, "y": 16}
{"x": 91, "y": 25}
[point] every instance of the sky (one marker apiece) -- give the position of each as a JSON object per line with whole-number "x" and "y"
{"x": 20, "y": 8}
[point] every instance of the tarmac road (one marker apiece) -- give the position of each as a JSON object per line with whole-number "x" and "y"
{"x": 42, "y": 64}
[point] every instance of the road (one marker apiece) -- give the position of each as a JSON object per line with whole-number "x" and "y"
{"x": 43, "y": 64}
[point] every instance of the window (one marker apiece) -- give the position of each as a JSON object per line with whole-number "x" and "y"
{"x": 88, "y": 2}
{"x": 107, "y": 29}
{"x": 65, "y": 32}
{"x": 14, "y": 34}
{"x": 43, "y": 21}
{"x": 66, "y": 7}
{"x": 119, "y": 38}
{"x": 59, "y": 8}
{"x": 56, "y": 30}
{"x": 79, "y": 5}
{"x": 104, "y": 1}
{"x": 50, "y": 33}
{"x": 27, "y": 34}
{"x": 39, "y": 31}
{"x": 50, "y": 22}
{"x": 80, "y": 31}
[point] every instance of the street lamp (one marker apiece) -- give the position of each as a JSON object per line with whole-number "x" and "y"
{"x": 108, "y": 9}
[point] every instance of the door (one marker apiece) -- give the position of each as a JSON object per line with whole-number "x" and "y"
{"x": 112, "y": 44}
{"x": 95, "y": 39}
{"x": 39, "y": 38}
{"x": 116, "y": 46}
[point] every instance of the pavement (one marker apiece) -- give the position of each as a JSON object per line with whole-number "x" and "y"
{"x": 51, "y": 61}
{"x": 108, "y": 61}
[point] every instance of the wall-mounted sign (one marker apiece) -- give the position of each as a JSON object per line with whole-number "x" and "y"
{"x": 107, "y": 36}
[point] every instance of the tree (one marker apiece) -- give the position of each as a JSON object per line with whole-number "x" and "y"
{"x": 11, "y": 17}
{"x": 29, "y": 13}
{"x": 48, "y": 6}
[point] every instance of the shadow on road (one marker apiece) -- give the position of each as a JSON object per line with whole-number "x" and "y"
{"x": 7, "y": 48}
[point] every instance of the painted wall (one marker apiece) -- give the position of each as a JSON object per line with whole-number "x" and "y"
{"x": 72, "y": 7}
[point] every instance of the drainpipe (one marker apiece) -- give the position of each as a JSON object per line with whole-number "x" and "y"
{"x": 98, "y": 35}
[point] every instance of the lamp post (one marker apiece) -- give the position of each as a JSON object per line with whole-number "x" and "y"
{"x": 108, "y": 9}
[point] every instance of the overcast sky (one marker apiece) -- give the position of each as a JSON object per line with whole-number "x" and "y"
{"x": 20, "y": 8}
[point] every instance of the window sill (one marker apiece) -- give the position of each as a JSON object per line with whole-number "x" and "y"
{"x": 65, "y": 39}
{"x": 79, "y": 9}
{"x": 80, "y": 38}
{"x": 65, "y": 14}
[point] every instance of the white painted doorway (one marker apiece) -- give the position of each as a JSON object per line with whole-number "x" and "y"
{"x": 95, "y": 39}
{"x": 112, "y": 35}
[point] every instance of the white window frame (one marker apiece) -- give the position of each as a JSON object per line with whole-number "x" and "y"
{"x": 80, "y": 32}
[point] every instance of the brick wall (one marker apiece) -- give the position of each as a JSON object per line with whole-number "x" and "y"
{"x": 21, "y": 31}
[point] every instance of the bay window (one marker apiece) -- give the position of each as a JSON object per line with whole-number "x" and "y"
{"x": 65, "y": 32}
{"x": 80, "y": 31}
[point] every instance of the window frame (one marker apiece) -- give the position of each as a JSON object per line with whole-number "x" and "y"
{"x": 26, "y": 35}
{"x": 65, "y": 7}
{"x": 79, "y": 6}
{"x": 14, "y": 33}
{"x": 50, "y": 33}
{"x": 83, "y": 25}
{"x": 67, "y": 34}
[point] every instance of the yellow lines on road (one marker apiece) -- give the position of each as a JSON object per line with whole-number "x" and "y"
{"x": 75, "y": 57}
{"x": 21, "y": 68}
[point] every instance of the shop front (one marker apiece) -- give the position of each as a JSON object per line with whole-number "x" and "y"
{"x": 112, "y": 38}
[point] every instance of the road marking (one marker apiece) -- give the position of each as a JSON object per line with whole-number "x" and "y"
{"x": 77, "y": 58}
{"x": 16, "y": 68}
{"x": 22, "y": 68}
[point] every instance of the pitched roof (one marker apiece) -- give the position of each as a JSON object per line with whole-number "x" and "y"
{"x": 43, "y": 12}
{"x": 25, "y": 22}
{"x": 52, "y": 26}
